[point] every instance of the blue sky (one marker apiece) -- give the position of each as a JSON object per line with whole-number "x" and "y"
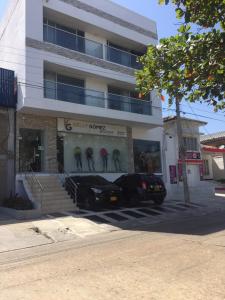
{"x": 167, "y": 25}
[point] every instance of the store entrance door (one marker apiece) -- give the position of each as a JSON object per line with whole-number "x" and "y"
{"x": 31, "y": 150}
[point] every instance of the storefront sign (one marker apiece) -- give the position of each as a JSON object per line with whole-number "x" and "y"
{"x": 173, "y": 174}
{"x": 76, "y": 126}
{"x": 193, "y": 155}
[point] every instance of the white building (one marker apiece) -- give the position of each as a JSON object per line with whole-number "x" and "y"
{"x": 172, "y": 162}
{"x": 213, "y": 154}
{"x": 77, "y": 107}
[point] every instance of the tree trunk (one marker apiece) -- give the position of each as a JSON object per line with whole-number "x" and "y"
{"x": 182, "y": 153}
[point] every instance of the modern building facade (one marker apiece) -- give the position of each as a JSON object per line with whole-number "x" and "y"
{"x": 172, "y": 162}
{"x": 78, "y": 110}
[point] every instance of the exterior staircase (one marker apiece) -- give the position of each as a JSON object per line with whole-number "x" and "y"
{"x": 49, "y": 195}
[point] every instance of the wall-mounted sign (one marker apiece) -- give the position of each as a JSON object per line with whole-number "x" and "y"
{"x": 193, "y": 155}
{"x": 77, "y": 126}
{"x": 173, "y": 174}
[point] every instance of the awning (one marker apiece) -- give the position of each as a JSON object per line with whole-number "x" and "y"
{"x": 213, "y": 150}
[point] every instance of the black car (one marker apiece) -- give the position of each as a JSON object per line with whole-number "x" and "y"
{"x": 94, "y": 190}
{"x": 139, "y": 187}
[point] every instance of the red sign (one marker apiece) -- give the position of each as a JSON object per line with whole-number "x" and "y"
{"x": 173, "y": 174}
{"x": 193, "y": 155}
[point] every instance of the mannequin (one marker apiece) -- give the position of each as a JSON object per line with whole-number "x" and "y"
{"x": 78, "y": 158}
{"x": 90, "y": 159}
{"x": 116, "y": 159}
{"x": 104, "y": 155}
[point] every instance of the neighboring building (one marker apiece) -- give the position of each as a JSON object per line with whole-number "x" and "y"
{"x": 77, "y": 106}
{"x": 7, "y": 133}
{"x": 172, "y": 162}
{"x": 213, "y": 154}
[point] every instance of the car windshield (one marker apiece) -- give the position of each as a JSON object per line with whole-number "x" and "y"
{"x": 92, "y": 180}
{"x": 152, "y": 179}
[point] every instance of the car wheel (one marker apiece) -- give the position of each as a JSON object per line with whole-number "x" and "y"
{"x": 89, "y": 201}
{"x": 159, "y": 201}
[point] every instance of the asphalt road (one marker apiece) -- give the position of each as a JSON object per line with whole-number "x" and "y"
{"x": 171, "y": 260}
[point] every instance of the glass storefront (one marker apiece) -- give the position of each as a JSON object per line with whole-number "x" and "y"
{"x": 147, "y": 156}
{"x": 85, "y": 153}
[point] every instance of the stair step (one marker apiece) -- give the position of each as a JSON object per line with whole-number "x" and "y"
{"x": 50, "y": 193}
{"x": 54, "y": 198}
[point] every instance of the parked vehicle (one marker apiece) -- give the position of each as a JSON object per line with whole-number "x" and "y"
{"x": 93, "y": 191}
{"x": 139, "y": 187}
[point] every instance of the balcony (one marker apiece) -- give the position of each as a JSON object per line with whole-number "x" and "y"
{"x": 80, "y": 95}
{"x": 78, "y": 43}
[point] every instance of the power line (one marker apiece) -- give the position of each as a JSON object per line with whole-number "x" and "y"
{"x": 208, "y": 112}
{"x": 158, "y": 107}
{"x": 9, "y": 19}
{"x": 183, "y": 112}
{"x": 88, "y": 70}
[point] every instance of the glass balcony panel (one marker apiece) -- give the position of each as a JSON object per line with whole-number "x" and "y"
{"x": 50, "y": 89}
{"x": 114, "y": 102}
{"x": 94, "y": 49}
{"x": 94, "y": 98}
{"x": 123, "y": 103}
{"x": 79, "y": 95}
{"x": 70, "y": 93}
{"x": 76, "y": 42}
{"x": 73, "y": 94}
{"x": 49, "y": 34}
{"x": 121, "y": 57}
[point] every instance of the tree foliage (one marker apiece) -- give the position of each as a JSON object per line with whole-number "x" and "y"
{"x": 189, "y": 65}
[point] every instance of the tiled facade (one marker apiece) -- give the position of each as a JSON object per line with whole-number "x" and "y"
{"x": 57, "y": 50}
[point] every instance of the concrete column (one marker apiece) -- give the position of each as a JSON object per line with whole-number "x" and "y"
{"x": 11, "y": 154}
{"x": 130, "y": 150}
{"x": 224, "y": 165}
{"x": 7, "y": 151}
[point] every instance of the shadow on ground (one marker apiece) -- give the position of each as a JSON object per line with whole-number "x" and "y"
{"x": 172, "y": 217}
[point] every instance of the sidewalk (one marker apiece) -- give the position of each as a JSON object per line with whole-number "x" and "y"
{"x": 55, "y": 228}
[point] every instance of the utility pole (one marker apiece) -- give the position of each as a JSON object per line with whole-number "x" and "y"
{"x": 182, "y": 153}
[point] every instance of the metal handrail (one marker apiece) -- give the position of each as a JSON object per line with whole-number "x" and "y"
{"x": 65, "y": 175}
{"x": 34, "y": 180}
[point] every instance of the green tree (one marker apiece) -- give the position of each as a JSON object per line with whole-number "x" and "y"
{"x": 191, "y": 64}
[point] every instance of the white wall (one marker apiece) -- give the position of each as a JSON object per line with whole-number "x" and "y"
{"x": 218, "y": 167}
{"x": 96, "y": 84}
{"x": 34, "y": 19}
{"x": 210, "y": 160}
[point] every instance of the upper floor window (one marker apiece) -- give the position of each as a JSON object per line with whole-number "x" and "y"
{"x": 128, "y": 100}
{"x": 191, "y": 143}
{"x": 64, "y": 36}
{"x": 123, "y": 56}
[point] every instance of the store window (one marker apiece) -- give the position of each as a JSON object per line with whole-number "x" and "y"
{"x": 147, "y": 156}
{"x": 85, "y": 153}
